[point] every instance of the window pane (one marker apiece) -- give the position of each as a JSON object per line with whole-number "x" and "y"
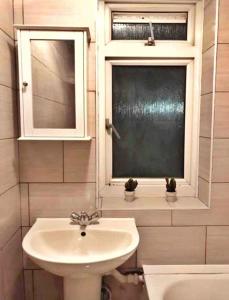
{"x": 166, "y": 26}
{"x": 148, "y": 110}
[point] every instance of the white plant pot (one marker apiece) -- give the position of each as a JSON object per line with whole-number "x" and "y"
{"x": 129, "y": 196}
{"x": 171, "y": 196}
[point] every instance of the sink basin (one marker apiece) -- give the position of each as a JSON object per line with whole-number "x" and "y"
{"x": 66, "y": 250}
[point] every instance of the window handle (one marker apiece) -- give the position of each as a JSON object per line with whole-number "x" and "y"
{"x": 110, "y": 126}
{"x": 151, "y": 40}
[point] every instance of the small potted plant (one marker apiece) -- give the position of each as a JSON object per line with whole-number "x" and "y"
{"x": 130, "y": 187}
{"x": 171, "y": 194}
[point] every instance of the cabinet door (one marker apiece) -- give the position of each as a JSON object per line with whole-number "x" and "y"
{"x": 52, "y": 84}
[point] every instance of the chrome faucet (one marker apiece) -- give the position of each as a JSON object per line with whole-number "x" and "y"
{"x": 84, "y": 219}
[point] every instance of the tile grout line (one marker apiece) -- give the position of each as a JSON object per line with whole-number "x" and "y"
{"x": 29, "y": 210}
{"x": 7, "y": 34}
{"x": 13, "y": 186}
{"x": 63, "y": 162}
{"x": 206, "y": 50}
{"x": 33, "y": 287}
{"x": 7, "y": 86}
{"x": 10, "y": 238}
{"x": 10, "y": 138}
{"x": 206, "y": 236}
{"x": 23, "y": 12}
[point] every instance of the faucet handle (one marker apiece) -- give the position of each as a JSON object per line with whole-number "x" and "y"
{"x": 74, "y": 216}
{"x": 94, "y": 215}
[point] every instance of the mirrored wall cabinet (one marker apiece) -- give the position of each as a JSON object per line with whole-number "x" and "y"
{"x": 53, "y": 82}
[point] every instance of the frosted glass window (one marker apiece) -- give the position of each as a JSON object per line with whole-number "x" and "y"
{"x": 148, "y": 110}
{"x": 135, "y": 26}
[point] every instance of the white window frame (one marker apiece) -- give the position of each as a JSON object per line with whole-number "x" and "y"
{"x": 26, "y": 94}
{"x": 135, "y": 53}
{"x": 113, "y": 7}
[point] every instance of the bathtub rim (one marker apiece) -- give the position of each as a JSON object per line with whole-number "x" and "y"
{"x": 165, "y": 276}
{"x": 186, "y": 269}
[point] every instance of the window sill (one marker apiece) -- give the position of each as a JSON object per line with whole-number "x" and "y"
{"x": 151, "y": 203}
{"x": 41, "y": 138}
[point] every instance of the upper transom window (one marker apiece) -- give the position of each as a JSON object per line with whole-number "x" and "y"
{"x": 136, "y": 26}
{"x": 175, "y": 22}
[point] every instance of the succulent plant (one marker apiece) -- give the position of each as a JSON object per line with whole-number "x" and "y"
{"x": 131, "y": 185}
{"x": 170, "y": 185}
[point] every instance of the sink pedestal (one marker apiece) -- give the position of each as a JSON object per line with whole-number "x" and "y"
{"x": 88, "y": 288}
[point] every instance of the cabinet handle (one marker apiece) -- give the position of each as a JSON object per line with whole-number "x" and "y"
{"x": 114, "y": 130}
{"x": 25, "y": 84}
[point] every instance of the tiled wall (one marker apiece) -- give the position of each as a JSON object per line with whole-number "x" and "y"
{"x": 57, "y": 177}
{"x": 11, "y": 267}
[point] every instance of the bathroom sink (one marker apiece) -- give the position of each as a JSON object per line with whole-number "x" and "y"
{"x": 69, "y": 251}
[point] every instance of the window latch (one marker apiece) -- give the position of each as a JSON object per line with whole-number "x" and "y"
{"x": 110, "y": 126}
{"x": 151, "y": 40}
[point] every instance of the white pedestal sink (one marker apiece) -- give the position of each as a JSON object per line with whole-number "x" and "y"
{"x": 59, "y": 247}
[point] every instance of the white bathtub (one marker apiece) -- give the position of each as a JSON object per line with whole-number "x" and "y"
{"x": 187, "y": 282}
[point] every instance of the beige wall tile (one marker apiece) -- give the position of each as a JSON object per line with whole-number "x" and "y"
{"x": 223, "y": 31}
{"x": 130, "y": 263}
{"x": 171, "y": 245}
{"x": 27, "y": 262}
{"x": 8, "y": 113}
{"x": 222, "y": 75}
{"x": 91, "y": 114}
{"x": 217, "y": 245}
{"x": 6, "y": 16}
{"x": 18, "y": 12}
{"x": 125, "y": 291}
{"x": 203, "y": 190}
{"x": 142, "y": 217}
{"x": 220, "y": 169}
{"x": 206, "y": 115}
{"x": 91, "y": 67}
{"x": 69, "y": 13}
{"x": 41, "y": 161}
{"x": 1, "y": 275}
{"x": 24, "y": 191}
{"x": 50, "y": 114}
{"x": 216, "y": 215}
{"x": 204, "y": 158}
{"x": 79, "y": 161}
{"x": 47, "y": 286}
{"x": 9, "y": 214}
{"x": 221, "y": 123}
{"x": 13, "y": 269}
{"x": 208, "y": 71}
{"x": 8, "y": 164}
{"x": 50, "y": 54}
{"x": 59, "y": 200}
{"x": 48, "y": 84}
{"x": 209, "y": 25}
{"x": 7, "y": 61}
{"x": 28, "y": 278}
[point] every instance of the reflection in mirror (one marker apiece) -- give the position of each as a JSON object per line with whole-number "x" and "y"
{"x": 53, "y": 80}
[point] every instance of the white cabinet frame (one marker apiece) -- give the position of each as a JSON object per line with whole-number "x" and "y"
{"x": 26, "y": 93}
